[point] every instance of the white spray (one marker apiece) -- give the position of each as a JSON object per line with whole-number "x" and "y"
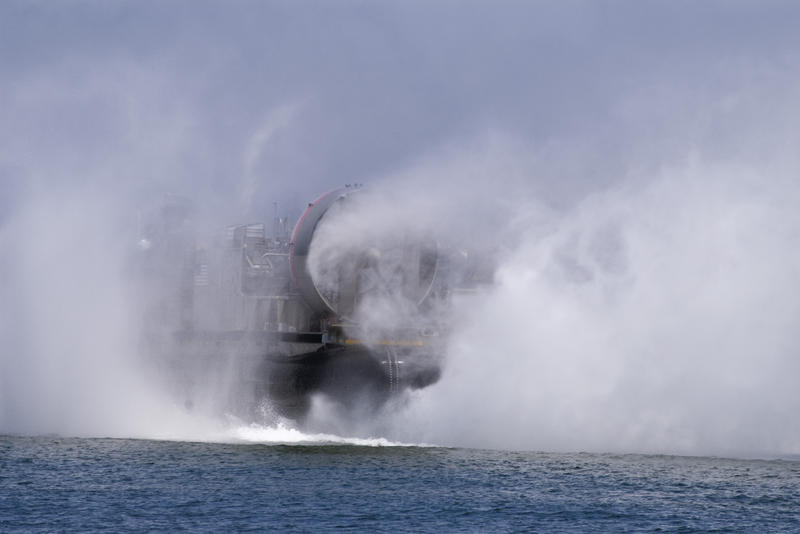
{"x": 659, "y": 315}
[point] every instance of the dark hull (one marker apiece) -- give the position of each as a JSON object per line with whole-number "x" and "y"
{"x": 244, "y": 372}
{"x": 351, "y": 376}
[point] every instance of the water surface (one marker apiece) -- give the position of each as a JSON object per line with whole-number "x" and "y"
{"x": 117, "y": 485}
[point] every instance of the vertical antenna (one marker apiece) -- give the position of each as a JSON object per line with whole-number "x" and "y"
{"x": 275, "y": 222}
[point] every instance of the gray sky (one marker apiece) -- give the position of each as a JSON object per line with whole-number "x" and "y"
{"x": 281, "y": 100}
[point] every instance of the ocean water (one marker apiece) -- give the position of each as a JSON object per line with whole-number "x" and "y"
{"x": 285, "y": 481}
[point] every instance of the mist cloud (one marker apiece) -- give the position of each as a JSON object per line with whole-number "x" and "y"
{"x": 631, "y": 168}
{"x": 659, "y": 316}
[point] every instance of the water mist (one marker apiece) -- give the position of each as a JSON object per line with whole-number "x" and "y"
{"x": 631, "y": 174}
{"x": 659, "y": 315}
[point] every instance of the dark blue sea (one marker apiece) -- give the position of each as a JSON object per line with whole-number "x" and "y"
{"x": 56, "y": 484}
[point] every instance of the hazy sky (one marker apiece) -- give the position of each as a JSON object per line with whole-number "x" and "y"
{"x": 269, "y": 100}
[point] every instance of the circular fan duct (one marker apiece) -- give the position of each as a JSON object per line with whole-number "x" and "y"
{"x": 355, "y": 266}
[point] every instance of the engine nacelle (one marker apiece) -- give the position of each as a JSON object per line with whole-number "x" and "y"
{"x": 339, "y": 268}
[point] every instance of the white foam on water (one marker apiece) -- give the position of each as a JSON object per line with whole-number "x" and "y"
{"x": 281, "y": 433}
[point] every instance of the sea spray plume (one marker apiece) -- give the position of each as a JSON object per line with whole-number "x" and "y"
{"x": 655, "y": 316}
{"x": 106, "y": 103}
{"x": 277, "y": 119}
{"x": 88, "y": 139}
{"x": 76, "y": 371}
